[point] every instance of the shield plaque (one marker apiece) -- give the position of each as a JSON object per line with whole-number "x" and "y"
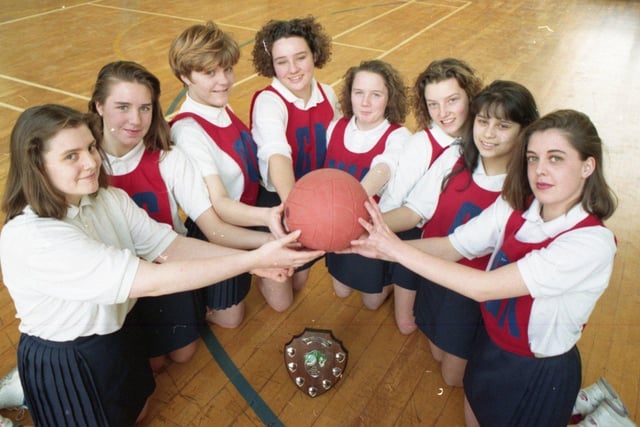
{"x": 315, "y": 360}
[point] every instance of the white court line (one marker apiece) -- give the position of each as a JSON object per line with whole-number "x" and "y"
{"x": 39, "y": 86}
{"x": 166, "y": 15}
{"x": 11, "y": 107}
{"x": 49, "y": 12}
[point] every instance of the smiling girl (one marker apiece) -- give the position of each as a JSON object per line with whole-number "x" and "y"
{"x": 75, "y": 256}
{"x": 441, "y": 97}
{"x": 142, "y": 160}
{"x": 551, "y": 259}
{"x": 289, "y": 118}
{"x": 462, "y": 182}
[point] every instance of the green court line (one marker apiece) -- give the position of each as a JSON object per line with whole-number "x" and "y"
{"x": 232, "y": 372}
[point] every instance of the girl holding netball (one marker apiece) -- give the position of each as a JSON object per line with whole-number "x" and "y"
{"x": 441, "y": 97}
{"x": 367, "y": 142}
{"x": 202, "y": 57}
{"x": 464, "y": 180}
{"x": 142, "y": 160}
{"x": 551, "y": 259}
{"x": 289, "y": 118}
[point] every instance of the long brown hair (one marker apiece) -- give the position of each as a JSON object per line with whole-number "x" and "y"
{"x": 27, "y": 181}
{"x": 597, "y": 197}
{"x": 159, "y": 135}
{"x": 436, "y": 72}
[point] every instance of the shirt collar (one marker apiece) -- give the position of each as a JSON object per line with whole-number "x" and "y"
{"x": 316, "y": 96}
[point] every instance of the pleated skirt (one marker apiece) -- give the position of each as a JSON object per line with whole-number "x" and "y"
{"x": 100, "y": 380}
{"x": 506, "y": 390}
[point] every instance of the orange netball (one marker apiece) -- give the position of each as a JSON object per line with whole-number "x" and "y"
{"x": 325, "y": 205}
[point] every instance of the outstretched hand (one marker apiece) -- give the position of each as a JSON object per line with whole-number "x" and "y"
{"x": 277, "y": 260}
{"x": 380, "y": 242}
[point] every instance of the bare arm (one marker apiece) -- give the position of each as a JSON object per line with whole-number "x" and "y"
{"x": 281, "y": 175}
{"x": 222, "y": 233}
{"x": 504, "y": 282}
{"x": 376, "y": 178}
{"x": 189, "y": 264}
{"x": 401, "y": 219}
{"x": 238, "y": 213}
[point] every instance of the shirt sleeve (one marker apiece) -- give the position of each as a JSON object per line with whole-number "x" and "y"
{"x": 579, "y": 260}
{"x": 424, "y": 196}
{"x": 184, "y": 182}
{"x": 196, "y": 144}
{"x": 269, "y": 129}
{"x": 393, "y": 149}
{"x": 413, "y": 162}
{"x": 484, "y": 233}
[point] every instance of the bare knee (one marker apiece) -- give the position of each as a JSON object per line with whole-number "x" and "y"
{"x": 184, "y": 354}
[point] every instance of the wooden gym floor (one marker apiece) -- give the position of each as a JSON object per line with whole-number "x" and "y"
{"x": 581, "y": 54}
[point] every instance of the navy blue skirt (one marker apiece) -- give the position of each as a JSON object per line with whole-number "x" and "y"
{"x": 269, "y": 199}
{"x": 226, "y": 293}
{"x": 168, "y": 322}
{"x": 399, "y": 274}
{"x": 366, "y": 275}
{"x": 100, "y": 380}
{"x": 450, "y": 320}
{"x": 506, "y": 390}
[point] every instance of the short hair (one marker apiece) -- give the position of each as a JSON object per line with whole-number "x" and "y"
{"x": 396, "y": 109}
{"x": 436, "y": 72}
{"x": 597, "y": 197}
{"x": 308, "y": 28}
{"x": 27, "y": 180}
{"x": 159, "y": 135}
{"x": 202, "y": 48}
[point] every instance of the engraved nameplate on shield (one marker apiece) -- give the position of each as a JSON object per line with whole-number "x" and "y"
{"x": 315, "y": 361}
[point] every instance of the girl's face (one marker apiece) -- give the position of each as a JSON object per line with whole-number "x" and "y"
{"x": 448, "y": 105}
{"x": 556, "y": 173}
{"x": 495, "y": 139}
{"x": 211, "y": 88}
{"x": 126, "y": 113}
{"x": 293, "y": 64}
{"x": 369, "y": 97}
{"x": 72, "y": 163}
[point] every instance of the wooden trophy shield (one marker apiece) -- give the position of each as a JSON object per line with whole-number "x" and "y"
{"x": 315, "y": 361}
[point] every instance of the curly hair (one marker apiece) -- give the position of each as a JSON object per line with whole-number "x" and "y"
{"x": 308, "y": 28}
{"x": 202, "y": 48}
{"x": 597, "y": 197}
{"x": 436, "y": 72}
{"x": 396, "y": 109}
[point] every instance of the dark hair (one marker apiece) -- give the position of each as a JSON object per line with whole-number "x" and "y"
{"x": 502, "y": 99}
{"x": 396, "y": 109}
{"x": 202, "y": 48}
{"x": 308, "y": 28}
{"x": 436, "y": 72}
{"x": 159, "y": 135}
{"x": 597, "y": 197}
{"x": 27, "y": 181}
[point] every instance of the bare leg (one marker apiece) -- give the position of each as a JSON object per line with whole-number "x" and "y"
{"x": 184, "y": 354}
{"x": 374, "y": 301}
{"x": 341, "y": 290}
{"x": 229, "y": 318}
{"x": 300, "y": 279}
{"x": 469, "y": 417}
{"x": 403, "y": 300}
{"x": 278, "y": 295}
